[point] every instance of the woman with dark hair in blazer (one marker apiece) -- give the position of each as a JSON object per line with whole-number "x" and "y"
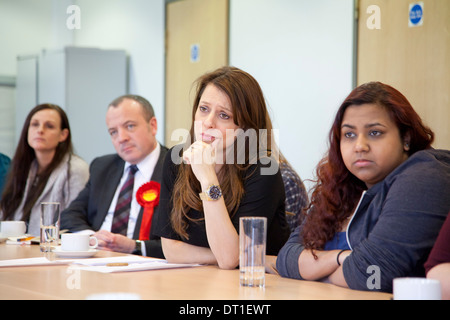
{"x": 44, "y": 168}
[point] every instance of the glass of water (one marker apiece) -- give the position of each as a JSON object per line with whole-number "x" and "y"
{"x": 252, "y": 251}
{"x": 50, "y": 219}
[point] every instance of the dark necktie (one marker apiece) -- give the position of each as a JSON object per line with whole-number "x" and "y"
{"x": 122, "y": 212}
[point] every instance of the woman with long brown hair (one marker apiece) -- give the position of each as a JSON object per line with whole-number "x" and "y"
{"x": 43, "y": 168}
{"x": 380, "y": 199}
{"x": 228, "y": 171}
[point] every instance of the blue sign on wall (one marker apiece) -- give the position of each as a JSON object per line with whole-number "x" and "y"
{"x": 416, "y": 14}
{"x": 195, "y": 53}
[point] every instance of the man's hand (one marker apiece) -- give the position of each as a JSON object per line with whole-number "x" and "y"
{"x": 114, "y": 242}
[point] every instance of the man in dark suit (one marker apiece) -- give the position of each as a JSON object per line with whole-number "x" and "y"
{"x": 132, "y": 126}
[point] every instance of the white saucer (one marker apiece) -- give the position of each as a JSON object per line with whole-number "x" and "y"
{"x": 74, "y": 254}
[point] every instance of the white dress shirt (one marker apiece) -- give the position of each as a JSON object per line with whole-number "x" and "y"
{"x": 142, "y": 176}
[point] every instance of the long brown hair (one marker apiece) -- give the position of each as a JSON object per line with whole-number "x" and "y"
{"x": 337, "y": 191}
{"x": 21, "y": 163}
{"x": 249, "y": 112}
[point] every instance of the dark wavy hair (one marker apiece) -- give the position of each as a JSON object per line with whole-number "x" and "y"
{"x": 21, "y": 163}
{"x": 337, "y": 191}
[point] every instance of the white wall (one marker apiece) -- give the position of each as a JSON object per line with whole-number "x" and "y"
{"x": 137, "y": 26}
{"x": 301, "y": 53}
{"x": 25, "y": 27}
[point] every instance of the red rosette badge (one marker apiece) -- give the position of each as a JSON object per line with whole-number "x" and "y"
{"x": 148, "y": 197}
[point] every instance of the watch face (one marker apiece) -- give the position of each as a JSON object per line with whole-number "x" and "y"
{"x": 214, "y": 192}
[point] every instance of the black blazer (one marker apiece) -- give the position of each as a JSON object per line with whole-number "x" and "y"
{"x": 89, "y": 209}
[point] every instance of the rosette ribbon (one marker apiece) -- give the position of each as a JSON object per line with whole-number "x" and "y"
{"x": 148, "y": 197}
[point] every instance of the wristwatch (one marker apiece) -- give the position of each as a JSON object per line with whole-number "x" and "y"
{"x": 138, "y": 249}
{"x": 213, "y": 193}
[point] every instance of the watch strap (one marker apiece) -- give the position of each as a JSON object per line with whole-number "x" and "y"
{"x": 204, "y": 196}
{"x": 213, "y": 193}
{"x": 138, "y": 249}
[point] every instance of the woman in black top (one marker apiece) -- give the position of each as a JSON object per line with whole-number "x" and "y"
{"x": 226, "y": 170}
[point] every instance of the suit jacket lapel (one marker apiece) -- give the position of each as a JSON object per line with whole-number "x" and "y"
{"x": 156, "y": 176}
{"x": 111, "y": 182}
{"x": 157, "y": 172}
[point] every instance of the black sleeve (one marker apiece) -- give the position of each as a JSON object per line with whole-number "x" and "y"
{"x": 161, "y": 225}
{"x": 75, "y": 217}
{"x": 153, "y": 248}
{"x": 83, "y": 211}
{"x": 265, "y": 197}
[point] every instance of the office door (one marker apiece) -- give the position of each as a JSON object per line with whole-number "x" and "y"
{"x": 196, "y": 42}
{"x": 413, "y": 58}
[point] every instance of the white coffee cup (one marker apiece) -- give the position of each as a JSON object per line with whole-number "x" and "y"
{"x": 416, "y": 289}
{"x": 77, "y": 242}
{"x": 13, "y": 228}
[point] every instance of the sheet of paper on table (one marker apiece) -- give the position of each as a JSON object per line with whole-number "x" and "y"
{"x": 104, "y": 265}
{"x": 28, "y": 262}
{"x": 125, "y": 264}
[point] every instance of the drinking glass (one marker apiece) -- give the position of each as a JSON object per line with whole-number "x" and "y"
{"x": 252, "y": 251}
{"x": 50, "y": 219}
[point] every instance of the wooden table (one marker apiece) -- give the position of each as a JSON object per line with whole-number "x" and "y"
{"x": 198, "y": 283}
